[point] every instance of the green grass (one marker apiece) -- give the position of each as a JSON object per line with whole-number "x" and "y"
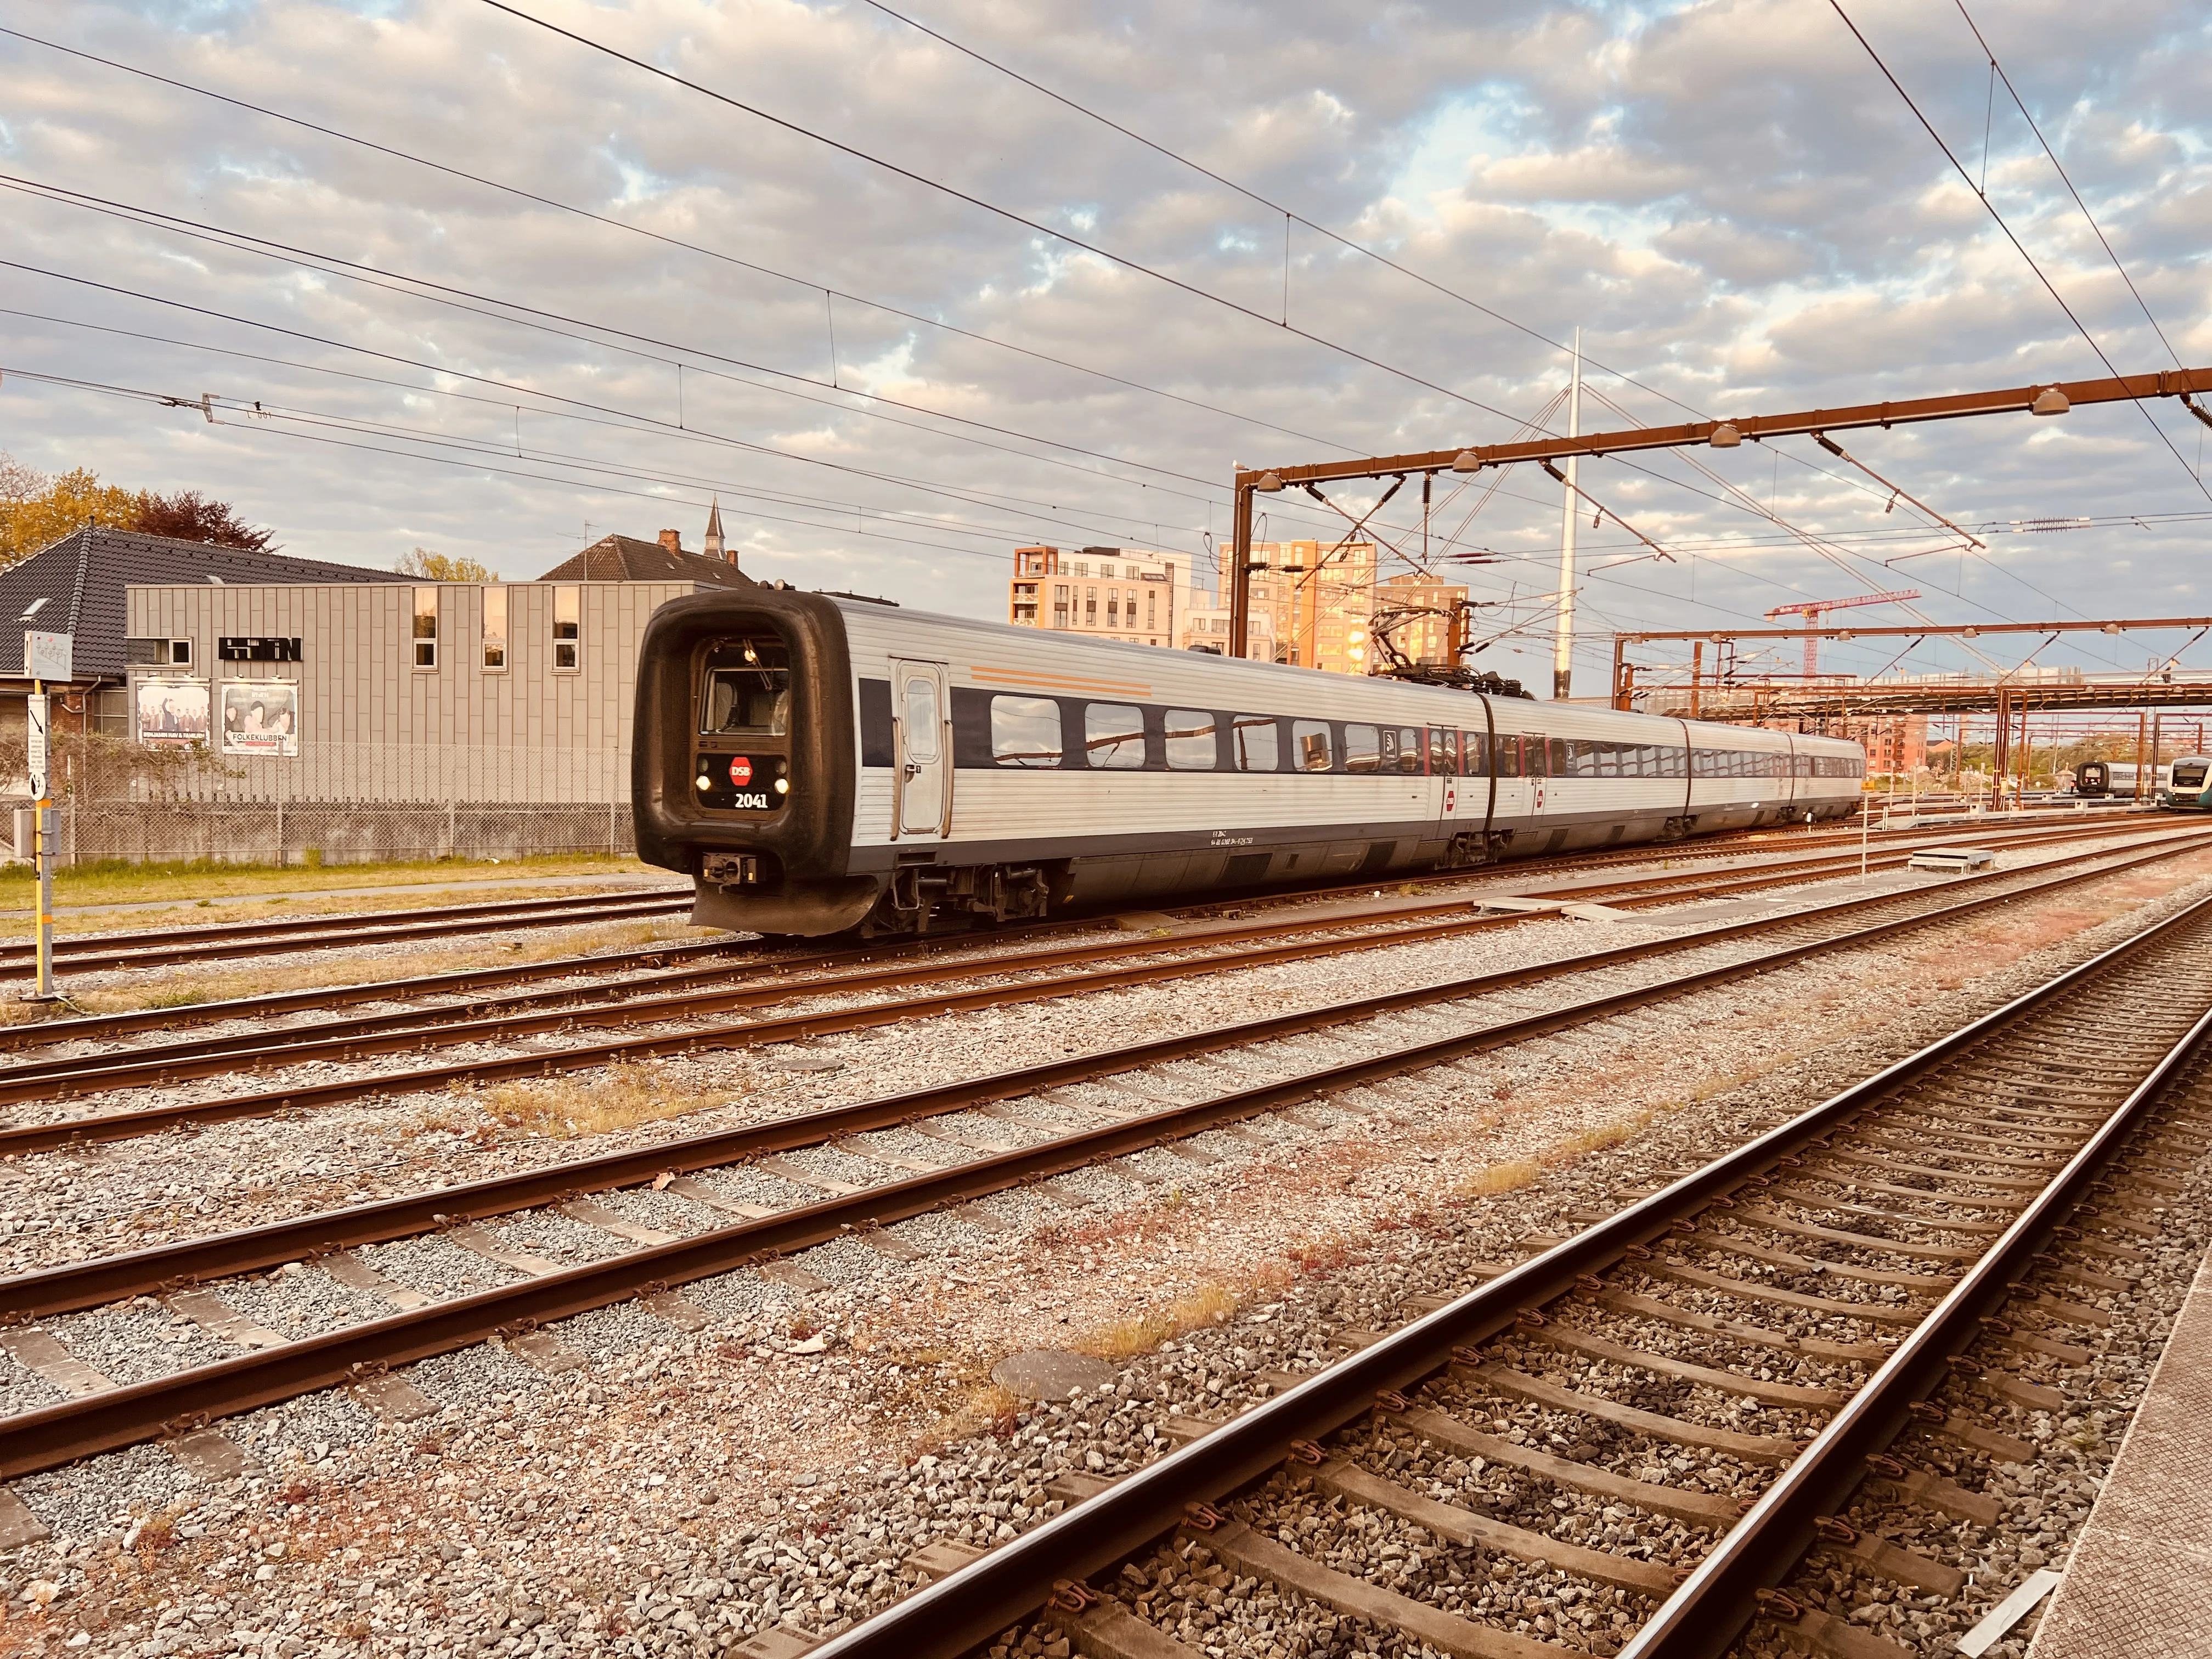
{"x": 116, "y": 881}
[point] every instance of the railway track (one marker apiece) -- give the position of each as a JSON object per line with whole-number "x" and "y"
{"x": 685, "y": 1022}
{"x": 178, "y": 947}
{"x": 1158, "y": 1094}
{"x": 1707, "y": 1414}
{"x": 692, "y": 994}
{"x": 181, "y": 947}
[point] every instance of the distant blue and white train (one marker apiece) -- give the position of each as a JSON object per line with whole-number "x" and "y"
{"x": 818, "y": 762}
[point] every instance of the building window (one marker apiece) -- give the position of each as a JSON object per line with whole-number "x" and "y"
{"x": 494, "y": 627}
{"x": 1151, "y": 610}
{"x": 1082, "y": 566}
{"x": 1113, "y": 611}
{"x": 1059, "y": 606}
{"x": 1090, "y": 607}
{"x": 426, "y": 628}
{"x": 567, "y": 629}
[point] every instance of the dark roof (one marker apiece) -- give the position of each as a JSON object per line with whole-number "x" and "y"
{"x": 82, "y": 578}
{"x": 626, "y": 559}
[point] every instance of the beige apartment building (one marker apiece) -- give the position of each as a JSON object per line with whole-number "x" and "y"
{"x": 1311, "y": 607}
{"x": 1126, "y": 593}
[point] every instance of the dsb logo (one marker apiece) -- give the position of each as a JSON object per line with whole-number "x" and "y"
{"x": 741, "y": 771}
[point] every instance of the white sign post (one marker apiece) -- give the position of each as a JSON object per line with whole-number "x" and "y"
{"x": 45, "y": 657}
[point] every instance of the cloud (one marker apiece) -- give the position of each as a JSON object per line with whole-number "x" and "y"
{"x": 1726, "y": 197}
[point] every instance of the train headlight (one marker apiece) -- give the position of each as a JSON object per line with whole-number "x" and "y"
{"x": 704, "y": 782}
{"x": 783, "y": 786}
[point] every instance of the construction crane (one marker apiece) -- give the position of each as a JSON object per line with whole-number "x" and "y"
{"x": 1811, "y": 611}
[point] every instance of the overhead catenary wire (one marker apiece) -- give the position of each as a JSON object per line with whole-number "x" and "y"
{"x": 536, "y": 317}
{"x": 661, "y": 237}
{"x": 1997, "y": 73}
{"x": 1290, "y": 215}
{"x": 1097, "y": 250}
{"x": 642, "y": 421}
{"x": 735, "y": 261}
{"x": 478, "y": 463}
{"x": 2019, "y": 247}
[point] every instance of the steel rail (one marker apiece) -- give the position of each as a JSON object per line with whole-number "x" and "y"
{"x": 1710, "y": 1608}
{"x": 93, "y": 955}
{"x": 218, "y": 932}
{"x": 127, "y": 1124}
{"x": 666, "y": 996}
{"x": 967, "y": 1607}
{"x": 74, "y": 1286}
{"x": 1721, "y": 845}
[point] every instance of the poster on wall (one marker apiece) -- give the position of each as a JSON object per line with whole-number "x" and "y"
{"x": 172, "y": 711}
{"x": 260, "y": 717}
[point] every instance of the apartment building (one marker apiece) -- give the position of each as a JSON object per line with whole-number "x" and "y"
{"x": 1417, "y": 611}
{"x": 1311, "y": 601}
{"x": 1129, "y": 593}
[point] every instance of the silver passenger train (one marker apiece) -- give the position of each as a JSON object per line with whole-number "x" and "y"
{"x": 818, "y": 762}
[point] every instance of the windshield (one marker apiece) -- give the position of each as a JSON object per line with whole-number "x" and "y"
{"x": 747, "y": 689}
{"x": 2190, "y": 774}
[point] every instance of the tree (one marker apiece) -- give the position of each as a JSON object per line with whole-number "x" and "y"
{"x": 37, "y": 510}
{"x": 437, "y": 567}
{"x": 187, "y": 516}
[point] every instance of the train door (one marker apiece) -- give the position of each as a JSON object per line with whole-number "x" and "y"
{"x": 921, "y": 720}
{"x": 1515, "y": 789}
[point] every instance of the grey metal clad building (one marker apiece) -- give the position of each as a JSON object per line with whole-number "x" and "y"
{"x": 76, "y": 586}
{"x": 243, "y": 706}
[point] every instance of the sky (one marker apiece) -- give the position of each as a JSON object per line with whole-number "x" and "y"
{"x": 908, "y": 289}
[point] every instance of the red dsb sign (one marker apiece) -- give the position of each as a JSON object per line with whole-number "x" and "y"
{"x": 741, "y": 770}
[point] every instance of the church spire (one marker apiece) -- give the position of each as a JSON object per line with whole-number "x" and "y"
{"x": 714, "y": 547}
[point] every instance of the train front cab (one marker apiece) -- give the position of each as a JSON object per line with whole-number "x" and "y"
{"x": 2189, "y": 786}
{"x": 744, "y": 761}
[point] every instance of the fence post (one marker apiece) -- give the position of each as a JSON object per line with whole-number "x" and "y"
{"x": 280, "y": 815}
{"x": 72, "y": 829}
{"x": 452, "y": 841}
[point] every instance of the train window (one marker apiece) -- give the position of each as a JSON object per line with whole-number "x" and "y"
{"x": 1114, "y": 736}
{"x": 748, "y": 688}
{"x": 1310, "y": 739}
{"x": 1509, "y": 755}
{"x": 1474, "y": 754}
{"x": 920, "y": 718}
{"x": 1190, "y": 741}
{"x": 1025, "y": 732}
{"x": 1363, "y": 749}
{"x": 1409, "y": 749}
{"x": 1258, "y": 747}
{"x": 1443, "y": 753}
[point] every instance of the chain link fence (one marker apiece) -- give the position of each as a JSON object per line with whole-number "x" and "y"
{"x": 335, "y": 804}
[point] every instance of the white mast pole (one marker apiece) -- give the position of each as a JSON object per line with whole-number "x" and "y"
{"x": 1563, "y": 644}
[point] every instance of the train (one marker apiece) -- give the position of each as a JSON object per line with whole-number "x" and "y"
{"x": 824, "y": 763}
{"x": 2189, "y": 786}
{"x": 2098, "y": 779}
